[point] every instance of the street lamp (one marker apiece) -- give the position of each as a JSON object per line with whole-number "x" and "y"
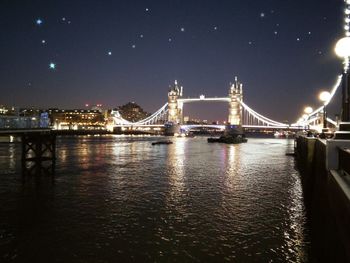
{"x": 304, "y": 118}
{"x": 324, "y": 97}
{"x": 308, "y": 110}
{"x": 342, "y": 48}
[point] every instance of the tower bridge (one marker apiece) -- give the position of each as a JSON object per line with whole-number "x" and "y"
{"x": 176, "y": 102}
{"x": 171, "y": 113}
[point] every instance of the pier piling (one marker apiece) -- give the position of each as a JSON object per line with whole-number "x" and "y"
{"x": 38, "y": 153}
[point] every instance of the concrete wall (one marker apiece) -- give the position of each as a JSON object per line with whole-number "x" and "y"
{"x": 326, "y": 200}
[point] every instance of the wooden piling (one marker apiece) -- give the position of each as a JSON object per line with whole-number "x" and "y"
{"x": 38, "y": 153}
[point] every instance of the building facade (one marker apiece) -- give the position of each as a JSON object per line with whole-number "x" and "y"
{"x": 76, "y": 119}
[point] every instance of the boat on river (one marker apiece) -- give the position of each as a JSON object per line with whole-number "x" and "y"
{"x": 162, "y": 142}
{"x": 228, "y": 139}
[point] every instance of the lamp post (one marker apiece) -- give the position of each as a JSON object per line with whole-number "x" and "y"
{"x": 324, "y": 97}
{"x": 307, "y": 110}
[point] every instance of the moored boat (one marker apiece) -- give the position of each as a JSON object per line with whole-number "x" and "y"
{"x": 229, "y": 139}
{"x": 162, "y": 142}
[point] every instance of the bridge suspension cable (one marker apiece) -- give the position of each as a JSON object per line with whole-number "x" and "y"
{"x": 252, "y": 118}
{"x": 153, "y": 119}
{"x": 158, "y": 115}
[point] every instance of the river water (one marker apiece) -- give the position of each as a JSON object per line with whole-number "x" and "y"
{"x": 120, "y": 199}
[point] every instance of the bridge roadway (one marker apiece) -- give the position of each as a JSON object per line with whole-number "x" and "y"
{"x": 213, "y": 126}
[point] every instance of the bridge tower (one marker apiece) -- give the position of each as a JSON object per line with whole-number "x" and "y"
{"x": 235, "y": 108}
{"x": 174, "y": 106}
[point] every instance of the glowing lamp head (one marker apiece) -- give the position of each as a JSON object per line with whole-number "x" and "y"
{"x": 308, "y": 110}
{"x": 324, "y": 96}
{"x": 342, "y": 48}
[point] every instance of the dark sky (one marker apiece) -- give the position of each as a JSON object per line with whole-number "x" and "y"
{"x": 282, "y": 51}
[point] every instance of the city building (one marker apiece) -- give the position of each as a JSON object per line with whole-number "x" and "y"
{"x": 132, "y": 112}
{"x": 14, "y": 118}
{"x": 77, "y": 119}
{"x": 18, "y": 122}
{"x": 10, "y": 111}
{"x": 3, "y": 110}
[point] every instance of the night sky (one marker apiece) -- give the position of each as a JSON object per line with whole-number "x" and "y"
{"x": 67, "y": 53}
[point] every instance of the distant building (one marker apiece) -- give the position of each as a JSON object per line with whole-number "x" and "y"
{"x": 38, "y": 116}
{"x": 9, "y": 111}
{"x": 30, "y": 112}
{"x": 3, "y": 110}
{"x": 97, "y": 107}
{"x": 11, "y": 118}
{"x": 76, "y": 119}
{"x": 132, "y": 112}
{"x": 18, "y": 122}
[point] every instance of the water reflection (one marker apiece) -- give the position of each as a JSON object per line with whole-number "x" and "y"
{"x": 12, "y": 156}
{"x": 9, "y": 157}
{"x": 176, "y": 173}
{"x": 232, "y": 164}
{"x": 295, "y": 237}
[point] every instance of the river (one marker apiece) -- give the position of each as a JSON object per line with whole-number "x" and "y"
{"x": 120, "y": 199}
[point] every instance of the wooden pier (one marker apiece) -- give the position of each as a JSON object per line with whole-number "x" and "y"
{"x": 38, "y": 150}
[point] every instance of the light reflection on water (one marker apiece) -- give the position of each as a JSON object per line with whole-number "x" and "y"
{"x": 122, "y": 198}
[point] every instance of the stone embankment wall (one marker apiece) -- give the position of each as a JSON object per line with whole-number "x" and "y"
{"x": 327, "y": 200}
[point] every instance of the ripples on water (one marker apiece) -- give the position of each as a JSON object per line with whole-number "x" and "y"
{"x": 122, "y": 199}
